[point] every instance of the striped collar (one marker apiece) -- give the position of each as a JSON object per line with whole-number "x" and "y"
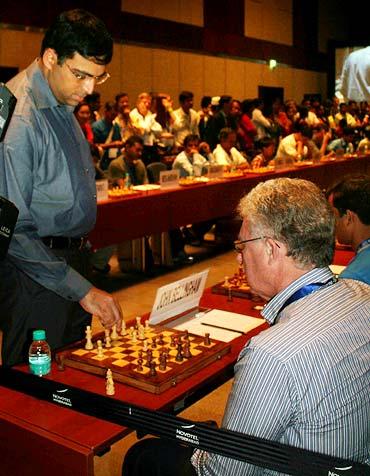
{"x": 273, "y": 307}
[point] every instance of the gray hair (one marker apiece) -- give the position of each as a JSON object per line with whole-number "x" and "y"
{"x": 296, "y": 213}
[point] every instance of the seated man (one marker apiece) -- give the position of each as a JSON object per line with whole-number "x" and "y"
{"x": 107, "y": 135}
{"x": 350, "y": 199}
{"x": 343, "y": 145}
{"x": 129, "y": 163}
{"x": 190, "y": 162}
{"x": 296, "y": 146}
{"x": 226, "y": 153}
{"x": 364, "y": 144}
{"x": 267, "y": 154}
{"x": 304, "y": 381}
{"x": 129, "y": 252}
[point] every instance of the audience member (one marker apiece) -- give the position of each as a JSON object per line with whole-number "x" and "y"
{"x": 267, "y": 154}
{"x": 83, "y": 115}
{"x": 218, "y": 121}
{"x": 190, "y": 162}
{"x": 344, "y": 114}
{"x": 295, "y": 146}
{"x": 343, "y": 145}
{"x": 145, "y": 121}
{"x": 247, "y": 130}
{"x": 123, "y": 119}
{"x": 107, "y": 135}
{"x": 185, "y": 118}
{"x": 204, "y": 115}
{"x": 261, "y": 122}
{"x": 93, "y": 100}
{"x": 226, "y": 154}
{"x": 305, "y": 380}
{"x": 364, "y": 144}
{"x": 350, "y": 199}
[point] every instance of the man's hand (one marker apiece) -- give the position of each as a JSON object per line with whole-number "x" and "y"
{"x": 104, "y": 306}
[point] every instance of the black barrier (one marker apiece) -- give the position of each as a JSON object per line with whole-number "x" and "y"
{"x": 253, "y": 450}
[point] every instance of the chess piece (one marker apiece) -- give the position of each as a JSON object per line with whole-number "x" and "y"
{"x": 89, "y": 345}
{"x": 141, "y": 332}
{"x": 114, "y": 335}
{"x": 145, "y": 346}
{"x": 134, "y": 337}
{"x": 139, "y": 367}
{"x": 154, "y": 343}
{"x": 152, "y": 371}
{"x": 226, "y": 282}
{"x": 173, "y": 341}
{"x": 100, "y": 352}
{"x": 179, "y": 356}
{"x": 160, "y": 340}
{"x": 163, "y": 361}
{"x": 107, "y": 342}
{"x": 149, "y": 357}
{"x": 187, "y": 354}
{"x": 138, "y": 322}
{"x": 109, "y": 385}
{"x": 207, "y": 340}
{"x": 123, "y": 328}
{"x": 147, "y": 327}
{"x": 107, "y": 333}
{"x": 131, "y": 331}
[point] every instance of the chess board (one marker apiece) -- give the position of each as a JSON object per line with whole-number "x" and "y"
{"x": 122, "y": 358}
{"x": 235, "y": 285}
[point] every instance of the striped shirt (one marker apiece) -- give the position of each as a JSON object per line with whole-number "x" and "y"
{"x": 305, "y": 381}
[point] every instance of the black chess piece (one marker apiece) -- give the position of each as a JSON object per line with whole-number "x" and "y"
{"x": 152, "y": 371}
{"x": 187, "y": 354}
{"x": 207, "y": 340}
{"x": 179, "y": 357}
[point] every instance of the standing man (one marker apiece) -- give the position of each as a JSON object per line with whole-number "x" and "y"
{"x": 186, "y": 119}
{"x": 350, "y": 198}
{"x": 304, "y": 381}
{"x": 47, "y": 171}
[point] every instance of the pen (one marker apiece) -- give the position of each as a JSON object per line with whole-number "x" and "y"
{"x": 220, "y": 327}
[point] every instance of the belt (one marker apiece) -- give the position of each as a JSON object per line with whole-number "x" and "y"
{"x": 64, "y": 242}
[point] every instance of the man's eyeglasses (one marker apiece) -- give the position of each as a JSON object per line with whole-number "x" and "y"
{"x": 82, "y": 76}
{"x": 239, "y": 245}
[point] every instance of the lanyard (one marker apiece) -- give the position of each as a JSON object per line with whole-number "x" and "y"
{"x": 305, "y": 291}
{"x": 364, "y": 244}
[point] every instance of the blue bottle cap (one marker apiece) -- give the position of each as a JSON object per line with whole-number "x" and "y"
{"x": 39, "y": 334}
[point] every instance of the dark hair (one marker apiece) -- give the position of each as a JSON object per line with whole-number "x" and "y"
{"x": 224, "y": 100}
{"x": 352, "y": 192}
{"x": 110, "y": 106}
{"x": 132, "y": 140}
{"x": 191, "y": 137}
{"x": 79, "y": 31}
{"x": 348, "y": 131}
{"x": 184, "y": 95}
{"x": 80, "y": 104}
{"x": 120, "y": 95}
{"x": 225, "y": 132}
{"x": 206, "y": 101}
{"x": 265, "y": 142}
{"x": 303, "y": 129}
{"x": 367, "y": 132}
{"x": 247, "y": 105}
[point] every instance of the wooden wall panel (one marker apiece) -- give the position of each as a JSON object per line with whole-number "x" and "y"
{"x": 166, "y": 72}
{"x": 234, "y": 78}
{"x": 191, "y": 76}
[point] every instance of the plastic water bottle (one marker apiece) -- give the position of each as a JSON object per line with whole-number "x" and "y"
{"x": 39, "y": 355}
{"x": 127, "y": 181}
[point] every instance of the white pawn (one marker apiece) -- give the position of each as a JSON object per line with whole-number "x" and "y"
{"x": 141, "y": 332}
{"x": 134, "y": 337}
{"x": 107, "y": 342}
{"x": 138, "y": 322}
{"x": 145, "y": 346}
{"x": 123, "y": 328}
{"x": 109, "y": 385}
{"x": 147, "y": 328}
{"x": 89, "y": 345}
{"x": 100, "y": 348}
{"x": 114, "y": 335}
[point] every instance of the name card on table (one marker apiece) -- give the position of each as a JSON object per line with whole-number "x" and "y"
{"x": 178, "y": 297}
{"x": 215, "y": 171}
{"x": 169, "y": 178}
{"x": 101, "y": 190}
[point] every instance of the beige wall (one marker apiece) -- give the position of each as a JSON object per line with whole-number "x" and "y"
{"x": 135, "y": 69}
{"x": 184, "y": 11}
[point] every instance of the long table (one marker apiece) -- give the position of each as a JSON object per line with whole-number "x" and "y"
{"x": 162, "y": 210}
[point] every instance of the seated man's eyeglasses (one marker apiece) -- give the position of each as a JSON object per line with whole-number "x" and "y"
{"x": 82, "y": 75}
{"x": 239, "y": 245}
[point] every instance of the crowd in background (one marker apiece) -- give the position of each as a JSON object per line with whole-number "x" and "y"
{"x": 224, "y": 131}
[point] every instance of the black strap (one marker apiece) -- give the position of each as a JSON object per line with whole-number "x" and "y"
{"x": 253, "y": 450}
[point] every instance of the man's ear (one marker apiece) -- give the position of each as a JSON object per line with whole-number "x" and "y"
{"x": 49, "y": 58}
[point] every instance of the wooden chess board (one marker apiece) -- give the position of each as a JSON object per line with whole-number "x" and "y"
{"x": 235, "y": 285}
{"x": 122, "y": 358}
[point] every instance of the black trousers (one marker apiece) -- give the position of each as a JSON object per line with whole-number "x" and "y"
{"x": 26, "y": 305}
{"x": 158, "y": 457}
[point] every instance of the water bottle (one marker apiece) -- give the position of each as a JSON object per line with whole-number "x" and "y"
{"x": 39, "y": 355}
{"x": 127, "y": 181}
